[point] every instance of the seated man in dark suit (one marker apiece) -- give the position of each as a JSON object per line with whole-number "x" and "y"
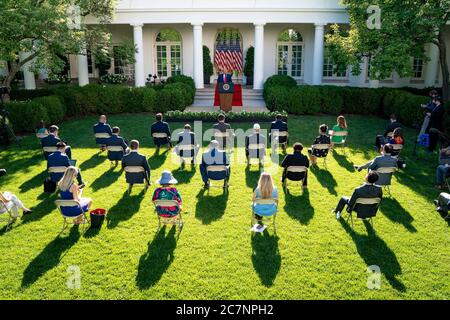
{"x": 134, "y": 159}
{"x": 60, "y": 159}
{"x": 160, "y": 127}
{"x": 214, "y": 156}
{"x": 386, "y": 160}
{"x": 102, "y": 128}
{"x": 296, "y": 159}
{"x": 52, "y": 139}
{"x": 257, "y": 139}
{"x": 367, "y": 190}
{"x": 221, "y": 127}
{"x": 2, "y": 172}
{"x": 392, "y": 125}
{"x": 280, "y": 126}
{"x": 116, "y": 141}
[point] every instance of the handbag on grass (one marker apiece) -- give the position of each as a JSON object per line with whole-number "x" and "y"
{"x": 49, "y": 185}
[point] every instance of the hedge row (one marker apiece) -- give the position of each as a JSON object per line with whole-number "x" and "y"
{"x": 178, "y": 116}
{"x": 55, "y": 103}
{"x": 281, "y": 94}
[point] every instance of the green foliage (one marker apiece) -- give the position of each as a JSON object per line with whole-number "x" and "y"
{"x": 279, "y": 80}
{"x": 54, "y": 108}
{"x": 207, "y": 64}
{"x": 24, "y": 94}
{"x": 179, "y": 116}
{"x": 24, "y": 116}
{"x": 249, "y": 62}
{"x": 277, "y": 98}
{"x": 149, "y": 101}
{"x": 184, "y": 79}
{"x": 113, "y": 78}
{"x": 332, "y": 99}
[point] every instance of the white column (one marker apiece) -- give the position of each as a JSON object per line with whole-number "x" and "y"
{"x": 139, "y": 74}
{"x": 431, "y": 68}
{"x": 82, "y": 69}
{"x": 28, "y": 75}
{"x": 198, "y": 55}
{"x": 318, "y": 53}
{"x": 258, "y": 71}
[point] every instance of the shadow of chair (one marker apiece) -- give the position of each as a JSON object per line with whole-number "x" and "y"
{"x": 396, "y": 213}
{"x": 299, "y": 207}
{"x": 50, "y": 257}
{"x": 93, "y": 161}
{"x": 325, "y": 179}
{"x": 374, "y": 251}
{"x": 184, "y": 175}
{"x": 124, "y": 209}
{"x": 107, "y": 178}
{"x": 210, "y": 208}
{"x": 266, "y": 257}
{"x": 158, "y": 158}
{"x": 34, "y": 182}
{"x": 252, "y": 176}
{"x": 343, "y": 161}
{"x": 158, "y": 258}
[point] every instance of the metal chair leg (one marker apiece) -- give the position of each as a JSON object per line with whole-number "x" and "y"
{"x": 130, "y": 186}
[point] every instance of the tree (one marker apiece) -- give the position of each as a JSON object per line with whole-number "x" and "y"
{"x": 49, "y": 29}
{"x": 405, "y": 28}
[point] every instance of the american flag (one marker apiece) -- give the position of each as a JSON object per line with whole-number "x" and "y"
{"x": 228, "y": 53}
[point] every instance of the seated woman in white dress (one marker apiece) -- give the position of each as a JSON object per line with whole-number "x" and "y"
{"x": 9, "y": 201}
{"x": 69, "y": 190}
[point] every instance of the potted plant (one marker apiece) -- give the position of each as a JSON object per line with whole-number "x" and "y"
{"x": 207, "y": 65}
{"x": 248, "y": 68}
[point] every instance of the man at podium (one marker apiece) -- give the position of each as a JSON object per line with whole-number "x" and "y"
{"x": 226, "y": 90}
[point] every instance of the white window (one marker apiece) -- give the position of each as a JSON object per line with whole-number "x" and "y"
{"x": 168, "y": 53}
{"x": 329, "y": 66}
{"x": 418, "y": 68}
{"x": 120, "y": 66}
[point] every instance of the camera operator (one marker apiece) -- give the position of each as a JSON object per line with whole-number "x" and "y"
{"x": 429, "y": 107}
{"x": 435, "y": 127}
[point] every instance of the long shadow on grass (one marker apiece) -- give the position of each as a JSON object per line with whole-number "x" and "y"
{"x": 252, "y": 176}
{"x": 343, "y": 161}
{"x": 210, "y": 208}
{"x": 325, "y": 178}
{"x": 416, "y": 183}
{"x": 158, "y": 159}
{"x": 96, "y": 159}
{"x": 299, "y": 207}
{"x": 20, "y": 166}
{"x": 106, "y": 179}
{"x": 266, "y": 257}
{"x": 49, "y": 257}
{"x": 36, "y": 181}
{"x": 124, "y": 209}
{"x": 397, "y": 214}
{"x": 159, "y": 256}
{"x": 46, "y": 206}
{"x": 374, "y": 251}
{"x": 184, "y": 175}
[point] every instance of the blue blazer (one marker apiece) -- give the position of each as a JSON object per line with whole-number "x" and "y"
{"x": 50, "y": 141}
{"x": 102, "y": 128}
{"x": 57, "y": 159}
{"x": 220, "y": 78}
{"x": 115, "y": 140}
{"x": 160, "y": 127}
{"x": 135, "y": 159}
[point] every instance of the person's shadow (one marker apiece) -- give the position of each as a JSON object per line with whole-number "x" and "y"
{"x": 396, "y": 213}
{"x": 325, "y": 178}
{"x": 34, "y": 182}
{"x": 374, "y": 251}
{"x": 124, "y": 209}
{"x": 266, "y": 257}
{"x": 107, "y": 178}
{"x": 92, "y": 162}
{"x": 299, "y": 207}
{"x": 50, "y": 257}
{"x": 252, "y": 176}
{"x": 184, "y": 175}
{"x": 343, "y": 161}
{"x": 159, "y": 256}
{"x": 210, "y": 208}
{"x": 158, "y": 158}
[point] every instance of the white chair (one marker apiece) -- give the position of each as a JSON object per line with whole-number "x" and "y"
{"x": 136, "y": 169}
{"x": 218, "y": 168}
{"x": 264, "y": 218}
{"x": 6, "y": 213}
{"x": 162, "y": 135}
{"x": 276, "y": 135}
{"x": 253, "y": 150}
{"x": 385, "y": 171}
{"x": 372, "y": 203}
{"x": 114, "y": 149}
{"x": 183, "y": 150}
{"x": 61, "y": 204}
{"x": 49, "y": 149}
{"x": 102, "y": 135}
{"x": 295, "y": 169}
{"x": 175, "y": 220}
{"x": 223, "y": 138}
{"x": 57, "y": 169}
{"x": 321, "y": 147}
{"x": 343, "y": 134}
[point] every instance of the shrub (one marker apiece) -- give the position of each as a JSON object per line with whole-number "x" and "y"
{"x": 185, "y": 90}
{"x": 179, "y": 116}
{"x": 113, "y": 78}
{"x": 149, "y": 101}
{"x": 332, "y": 99}
{"x": 23, "y": 94}
{"x": 183, "y": 79}
{"x": 24, "y": 116}
{"x": 133, "y": 99}
{"x": 277, "y": 98}
{"x": 57, "y": 79}
{"x": 54, "y": 108}
{"x": 279, "y": 80}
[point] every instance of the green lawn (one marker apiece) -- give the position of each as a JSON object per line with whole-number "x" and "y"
{"x": 314, "y": 256}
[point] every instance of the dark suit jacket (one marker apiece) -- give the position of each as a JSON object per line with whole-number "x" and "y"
{"x": 57, "y": 159}
{"x": 384, "y": 161}
{"x": 50, "y": 141}
{"x": 135, "y": 159}
{"x": 255, "y": 138}
{"x": 223, "y": 127}
{"x": 118, "y": 141}
{"x": 365, "y": 191}
{"x": 160, "y": 127}
{"x": 220, "y": 78}
{"x": 296, "y": 159}
{"x": 391, "y": 127}
{"x": 102, "y": 128}
{"x": 437, "y": 116}
{"x": 280, "y": 126}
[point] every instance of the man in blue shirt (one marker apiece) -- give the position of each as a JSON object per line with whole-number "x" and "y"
{"x": 102, "y": 128}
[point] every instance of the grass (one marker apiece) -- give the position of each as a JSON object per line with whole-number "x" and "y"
{"x": 314, "y": 256}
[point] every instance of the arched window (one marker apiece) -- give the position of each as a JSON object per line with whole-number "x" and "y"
{"x": 290, "y": 53}
{"x": 168, "y": 53}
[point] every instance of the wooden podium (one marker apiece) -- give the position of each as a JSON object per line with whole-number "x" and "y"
{"x": 226, "y": 91}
